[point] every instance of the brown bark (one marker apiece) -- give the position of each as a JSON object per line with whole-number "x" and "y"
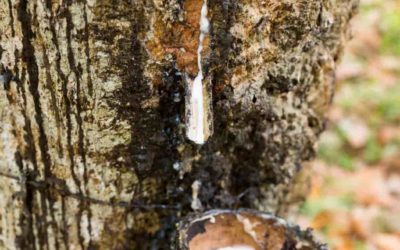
{"x": 93, "y": 153}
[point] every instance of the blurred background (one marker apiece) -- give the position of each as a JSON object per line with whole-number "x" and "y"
{"x": 354, "y": 202}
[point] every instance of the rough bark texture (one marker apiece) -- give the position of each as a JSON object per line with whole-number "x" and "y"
{"x": 92, "y": 147}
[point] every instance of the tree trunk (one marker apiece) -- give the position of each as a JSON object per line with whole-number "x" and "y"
{"x": 93, "y": 151}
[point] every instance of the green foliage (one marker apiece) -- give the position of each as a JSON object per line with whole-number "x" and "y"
{"x": 360, "y": 245}
{"x": 391, "y": 29}
{"x": 389, "y": 103}
{"x": 314, "y": 207}
{"x": 373, "y": 151}
{"x": 336, "y": 156}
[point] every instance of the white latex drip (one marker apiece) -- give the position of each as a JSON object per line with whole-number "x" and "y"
{"x": 196, "y": 130}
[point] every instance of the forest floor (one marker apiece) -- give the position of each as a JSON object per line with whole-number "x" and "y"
{"x": 354, "y": 203}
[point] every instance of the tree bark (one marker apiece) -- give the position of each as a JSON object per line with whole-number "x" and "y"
{"x": 93, "y": 152}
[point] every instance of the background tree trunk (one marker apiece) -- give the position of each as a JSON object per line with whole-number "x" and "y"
{"x": 92, "y": 147}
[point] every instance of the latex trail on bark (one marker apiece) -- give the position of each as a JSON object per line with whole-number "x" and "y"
{"x": 198, "y": 109}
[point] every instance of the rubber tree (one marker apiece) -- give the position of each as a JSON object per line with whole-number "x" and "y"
{"x": 94, "y": 152}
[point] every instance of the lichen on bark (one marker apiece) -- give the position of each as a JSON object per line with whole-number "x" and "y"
{"x": 93, "y": 153}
